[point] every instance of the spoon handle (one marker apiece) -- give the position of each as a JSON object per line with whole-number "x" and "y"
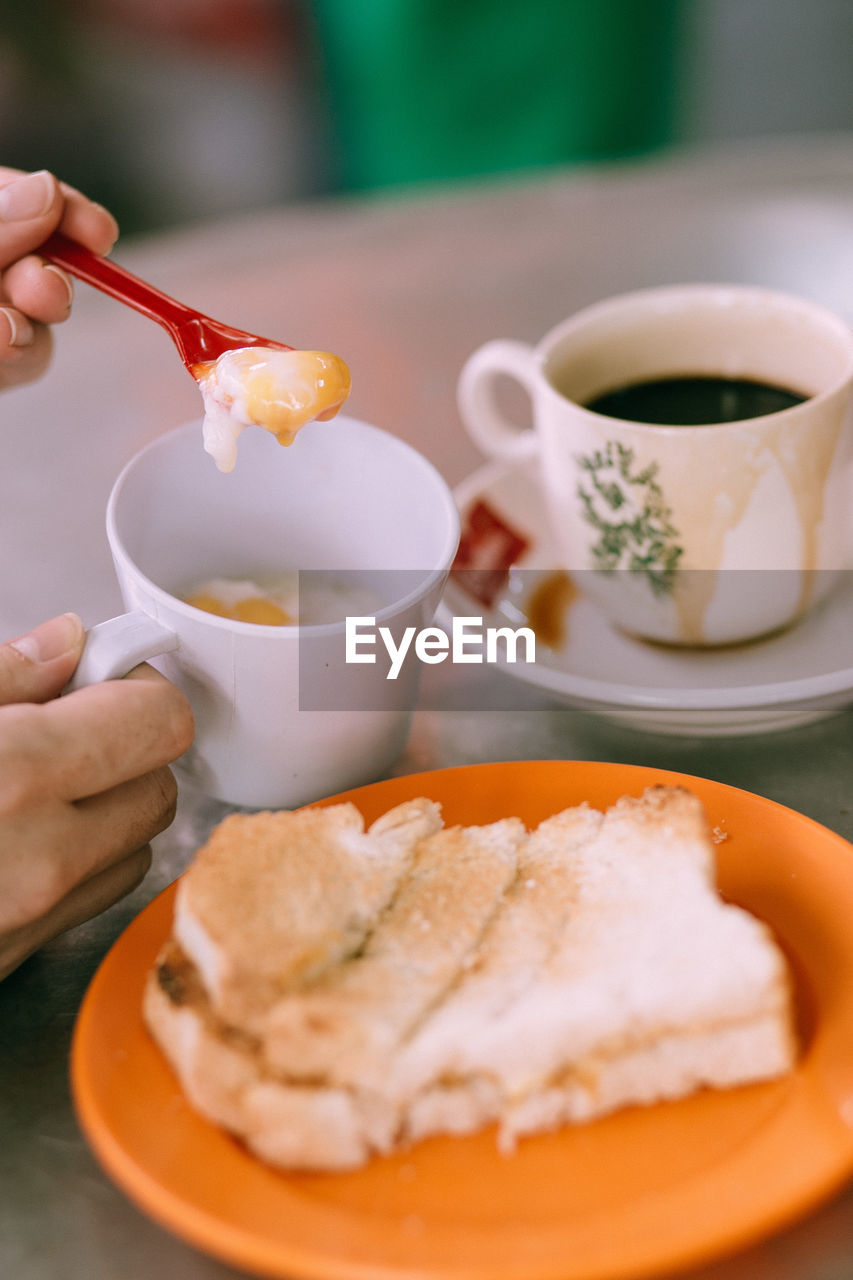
{"x": 115, "y": 280}
{"x": 199, "y": 339}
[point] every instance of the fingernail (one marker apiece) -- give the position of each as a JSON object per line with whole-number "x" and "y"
{"x": 51, "y": 639}
{"x": 21, "y": 332}
{"x": 64, "y": 277}
{"x": 27, "y": 197}
{"x": 115, "y": 226}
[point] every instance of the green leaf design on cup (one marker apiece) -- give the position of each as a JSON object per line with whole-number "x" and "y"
{"x": 627, "y": 508}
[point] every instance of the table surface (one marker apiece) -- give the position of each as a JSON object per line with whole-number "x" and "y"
{"x": 405, "y": 288}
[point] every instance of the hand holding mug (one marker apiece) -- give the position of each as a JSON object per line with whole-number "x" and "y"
{"x": 281, "y": 718}
{"x": 84, "y": 785}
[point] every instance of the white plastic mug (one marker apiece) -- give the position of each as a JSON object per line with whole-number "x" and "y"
{"x": 345, "y": 498}
{"x": 658, "y": 520}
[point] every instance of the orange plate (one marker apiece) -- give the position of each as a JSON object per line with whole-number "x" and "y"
{"x": 637, "y": 1193}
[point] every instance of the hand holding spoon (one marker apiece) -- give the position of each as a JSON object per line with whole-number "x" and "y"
{"x": 243, "y": 378}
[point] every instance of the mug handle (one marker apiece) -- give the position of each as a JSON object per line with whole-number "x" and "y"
{"x": 487, "y": 426}
{"x": 115, "y": 647}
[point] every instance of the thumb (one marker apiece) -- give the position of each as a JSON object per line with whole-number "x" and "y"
{"x": 31, "y": 207}
{"x": 37, "y": 666}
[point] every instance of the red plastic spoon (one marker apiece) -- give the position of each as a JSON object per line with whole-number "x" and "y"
{"x": 198, "y": 338}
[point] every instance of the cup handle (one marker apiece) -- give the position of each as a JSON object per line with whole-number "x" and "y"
{"x": 487, "y": 426}
{"x": 115, "y": 647}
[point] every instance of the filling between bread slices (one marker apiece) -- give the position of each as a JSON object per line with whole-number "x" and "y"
{"x": 667, "y": 1064}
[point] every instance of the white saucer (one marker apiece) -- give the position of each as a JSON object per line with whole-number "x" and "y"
{"x": 800, "y": 675}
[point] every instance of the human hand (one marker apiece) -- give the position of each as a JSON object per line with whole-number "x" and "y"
{"x": 84, "y": 785}
{"x": 35, "y": 294}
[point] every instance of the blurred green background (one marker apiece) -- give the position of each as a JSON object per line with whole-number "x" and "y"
{"x": 196, "y": 109}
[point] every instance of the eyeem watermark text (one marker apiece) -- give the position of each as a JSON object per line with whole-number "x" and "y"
{"x": 469, "y": 641}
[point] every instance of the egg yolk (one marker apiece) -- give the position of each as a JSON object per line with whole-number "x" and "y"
{"x": 270, "y": 388}
{"x": 250, "y": 609}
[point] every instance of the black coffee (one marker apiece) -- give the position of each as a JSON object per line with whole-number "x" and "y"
{"x": 693, "y": 401}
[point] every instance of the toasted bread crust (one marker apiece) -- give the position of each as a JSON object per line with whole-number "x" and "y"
{"x": 274, "y": 899}
{"x": 347, "y": 1027}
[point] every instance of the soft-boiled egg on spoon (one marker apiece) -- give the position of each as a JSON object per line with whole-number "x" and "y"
{"x": 279, "y": 389}
{"x": 244, "y": 380}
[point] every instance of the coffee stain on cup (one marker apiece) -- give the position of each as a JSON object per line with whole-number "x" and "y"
{"x": 548, "y": 606}
{"x": 805, "y": 460}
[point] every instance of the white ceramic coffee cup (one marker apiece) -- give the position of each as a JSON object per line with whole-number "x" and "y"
{"x": 768, "y": 495}
{"x": 346, "y": 498}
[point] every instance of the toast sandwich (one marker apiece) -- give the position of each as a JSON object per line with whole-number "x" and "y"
{"x": 330, "y": 992}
